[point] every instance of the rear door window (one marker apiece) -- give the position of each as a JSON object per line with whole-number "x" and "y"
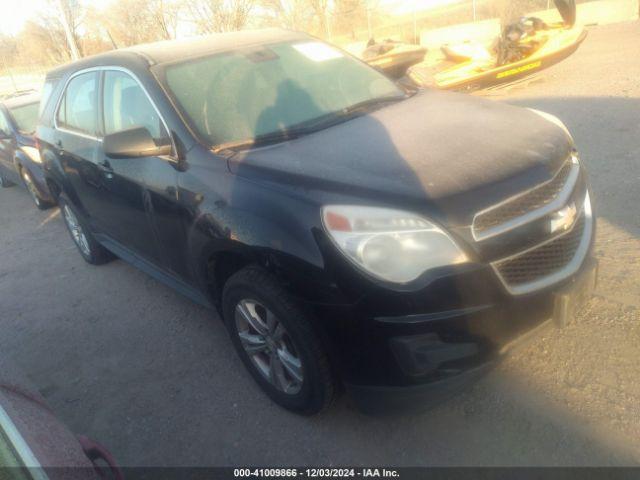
{"x": 78, "y": 108}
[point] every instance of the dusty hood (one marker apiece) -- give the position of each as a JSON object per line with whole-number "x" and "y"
{"x": 452, "y": 152}
{"x": 567, "y": 9}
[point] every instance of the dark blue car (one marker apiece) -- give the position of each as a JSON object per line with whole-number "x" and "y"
{"x": 19, "y": 157}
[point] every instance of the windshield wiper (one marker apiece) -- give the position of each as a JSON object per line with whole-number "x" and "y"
{"x": 266, "y": 139}
{"x": 307, "y": 127}
{"x": 372, "y": 102}
{"x": 283, "y": 135}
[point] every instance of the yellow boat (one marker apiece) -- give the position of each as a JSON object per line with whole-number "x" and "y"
{"x": 475, "y": 66}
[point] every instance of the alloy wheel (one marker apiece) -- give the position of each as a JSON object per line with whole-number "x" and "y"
{"x": 31, "y": 187}
{"x": 269, "y": 346}
{"x": 76, "y": 230}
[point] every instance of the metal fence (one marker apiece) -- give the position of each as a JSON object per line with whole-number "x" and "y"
{"x": 405, "y": 19}
{"x": 14, "y": 78}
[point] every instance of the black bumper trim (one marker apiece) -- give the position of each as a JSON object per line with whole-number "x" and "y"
{"x": 432, "y": 317}
{"x": 383, "y": 399}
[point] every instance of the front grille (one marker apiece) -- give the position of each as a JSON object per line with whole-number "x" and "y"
{"x": 524, "y": 203}
{"x": 542, "y": 261}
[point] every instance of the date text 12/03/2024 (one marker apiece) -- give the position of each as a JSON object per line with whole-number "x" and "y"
{"x": 315, "y": 473}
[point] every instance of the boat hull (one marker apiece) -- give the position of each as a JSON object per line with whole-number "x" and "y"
{"x": 466, "y": 77}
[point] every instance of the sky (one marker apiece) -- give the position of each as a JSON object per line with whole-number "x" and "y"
{"x": 11, "y": 23}
{"x": 17, "y": 12}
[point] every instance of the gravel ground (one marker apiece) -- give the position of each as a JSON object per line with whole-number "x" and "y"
{"x": 153, "y": 376}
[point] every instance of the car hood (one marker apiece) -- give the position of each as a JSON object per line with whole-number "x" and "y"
{"x": 451, "y": 154}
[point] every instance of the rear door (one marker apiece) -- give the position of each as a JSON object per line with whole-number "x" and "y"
{"x": 77, "y": 142}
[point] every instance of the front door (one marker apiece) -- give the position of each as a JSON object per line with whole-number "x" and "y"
{"x": 134, "y": 188}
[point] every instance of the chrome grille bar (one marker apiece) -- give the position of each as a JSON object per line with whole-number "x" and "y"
{"x": 570, "y": 266}
{"x": 486, "y": 223}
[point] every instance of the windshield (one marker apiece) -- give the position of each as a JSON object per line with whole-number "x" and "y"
{"x": 242, "y": 95}
{"x": 26, "y": 117}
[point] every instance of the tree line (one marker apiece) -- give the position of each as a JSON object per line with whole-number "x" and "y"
{"x": 68, "y": 29}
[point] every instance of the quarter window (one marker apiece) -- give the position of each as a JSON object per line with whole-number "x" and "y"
{"x": 77, "y": 110}
{"x": 126, "y": 105}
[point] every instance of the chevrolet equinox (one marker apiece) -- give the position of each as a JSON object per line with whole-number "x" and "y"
{"x": 352, "y": 233}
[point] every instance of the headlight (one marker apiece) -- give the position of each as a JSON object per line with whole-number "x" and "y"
{"x": 33, "y": 153}
{"x": 553, "y": 119}
{"x": 391, "y": 245}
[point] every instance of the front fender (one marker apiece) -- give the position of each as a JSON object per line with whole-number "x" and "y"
{"x": 259, "y": 225}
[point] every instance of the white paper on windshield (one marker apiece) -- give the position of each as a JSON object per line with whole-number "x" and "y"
{"x": 317, "y": 51}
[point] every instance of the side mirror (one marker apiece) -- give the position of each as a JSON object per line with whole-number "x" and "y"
{"x": 135, "y": 142}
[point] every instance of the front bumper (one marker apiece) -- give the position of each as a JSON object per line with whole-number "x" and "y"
{"x": 414, "y": 361}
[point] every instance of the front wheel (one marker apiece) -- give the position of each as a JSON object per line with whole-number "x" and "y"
{"x": 277, "y": 343}
{"x": 88, "y": 246}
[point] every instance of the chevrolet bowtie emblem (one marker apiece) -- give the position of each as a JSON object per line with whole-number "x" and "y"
{"x": 563, "y": 219}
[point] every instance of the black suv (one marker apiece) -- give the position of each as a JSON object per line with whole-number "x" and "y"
{"x": 351, "y": 232}
{"x": 19, "y": 157}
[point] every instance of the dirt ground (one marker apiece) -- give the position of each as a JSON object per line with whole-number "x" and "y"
{"x": 143, "y": 370}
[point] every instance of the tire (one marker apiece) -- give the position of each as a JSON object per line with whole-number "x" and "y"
{"x": 293, "y": 338}
{"x": 4, "y": 181}
{"x": 27, "y": 179}
{"x": 87, "y": 245}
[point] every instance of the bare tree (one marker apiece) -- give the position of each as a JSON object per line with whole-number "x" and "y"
{"x": 220, "y": 15}
{"x": 130, "y": 22}
{"x": 69, "y": 17}
{"x": 43, "y": 43}
{"x": 294, "y": 14}
{"x": 8, "y": 49}
{"x": 349, "y": 15}
{"x": 321, "y": 10}
{"x": 165, "y": 14}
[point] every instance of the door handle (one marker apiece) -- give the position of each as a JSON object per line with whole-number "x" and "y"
{"x": 105, "y": 166}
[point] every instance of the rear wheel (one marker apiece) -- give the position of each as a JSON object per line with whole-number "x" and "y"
{"x": 33, "y": 190}
{"x": 88, "y": 246}
{"x": 277, "y": 343}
